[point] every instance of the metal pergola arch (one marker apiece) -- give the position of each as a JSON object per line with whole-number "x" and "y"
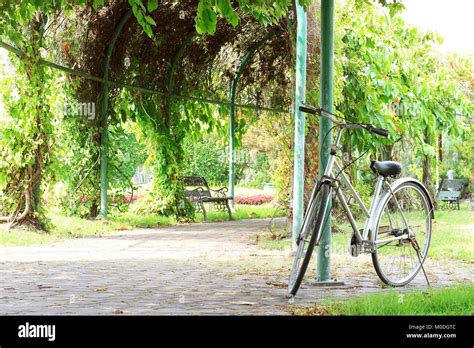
{"x": 233, "y": 90}
{"x": 142, "y": 89}
{"x": 107, "y": 83}
{"x": 327, "y": 51}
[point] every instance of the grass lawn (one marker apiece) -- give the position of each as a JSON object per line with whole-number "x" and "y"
{"x": 65, "y": 227}
{"x": 245, "y": 212}
{"x": 456, "y": 300}
{"x": 452, "y": 236}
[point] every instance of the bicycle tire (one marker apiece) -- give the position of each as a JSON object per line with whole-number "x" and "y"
{"x": 379, "y": 268}
{"x": 320, "y": 210}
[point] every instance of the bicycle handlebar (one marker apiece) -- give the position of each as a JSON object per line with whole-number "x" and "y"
{"x": 379, "y": 131}
{"x": 319, "y": 111}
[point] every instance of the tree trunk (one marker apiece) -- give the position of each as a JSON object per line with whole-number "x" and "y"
{"x": 426, "y": 176}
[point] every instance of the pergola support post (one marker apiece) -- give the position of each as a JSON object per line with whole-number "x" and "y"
{"x": 299, "y": 147}
{"x": 233, "y": 90}
{"x": 104, "y": 134}
{"x": 233, "y": 87}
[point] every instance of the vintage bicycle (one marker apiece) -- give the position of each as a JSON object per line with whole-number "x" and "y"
{"x": 398, "y": 223}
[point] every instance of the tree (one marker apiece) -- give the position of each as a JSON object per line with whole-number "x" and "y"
{"x": 393, "y": 79}
{"x": 25, "y": 143}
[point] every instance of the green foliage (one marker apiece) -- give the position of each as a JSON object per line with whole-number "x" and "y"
{"x": 267, "y": 12}
{"x": 126, "y": 155}
{"x": 457, "y": 151}
{"x": 142, "y": 13}
{"x": 204, "y": 157}
{"x": 163, "y": 137}
{"x": 259, "y": 171}
{"x": 78, "y": 167}
{"x": 458, "y": 155}
{"x": 393, "y": 79}
{"x": 206, "y": 18}
{"x": 78, "y": 164}
{"x": 209, "y": 157}
{"x": 26, "y": 143}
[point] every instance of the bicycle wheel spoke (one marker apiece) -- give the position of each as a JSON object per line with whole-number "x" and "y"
{"x": 407, "y": 213}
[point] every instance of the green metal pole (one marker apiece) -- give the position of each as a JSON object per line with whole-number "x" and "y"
{"x": 326, "y": 101}
{"x": 233, "y": 89}
{"x": 104, "y": 135}
{"x": 300, "y": 96}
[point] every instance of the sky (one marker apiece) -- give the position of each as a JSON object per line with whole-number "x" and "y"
{"x": 452, "y": 19}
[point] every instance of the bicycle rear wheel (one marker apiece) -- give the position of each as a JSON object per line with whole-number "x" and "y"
{"x": 308, "y": 237}
{"x": 405, "y": 213}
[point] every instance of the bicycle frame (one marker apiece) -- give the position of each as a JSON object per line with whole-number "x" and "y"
{"x": 368, "y": 235}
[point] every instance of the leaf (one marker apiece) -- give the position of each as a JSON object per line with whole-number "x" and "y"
{"x": 152, "y": 5}
{"x": 225, "y": 9}
{"x": 206, "y": 18}
{"x": 3, "y": 181}
{"x": 97, "y": 3}
{"x": 150, "y": 20}
{"x": 148, "y": 30}
{"x": 101, "y": 289}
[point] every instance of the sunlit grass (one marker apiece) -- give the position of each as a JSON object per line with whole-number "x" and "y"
{"x": 66, "y": 227}
{"x": 457, "y": 300}
{"x": 63, "y": 227}
{"x": 245, "y": 212}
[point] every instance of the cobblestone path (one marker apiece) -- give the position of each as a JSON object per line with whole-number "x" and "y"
{"x": 210, "y": 268}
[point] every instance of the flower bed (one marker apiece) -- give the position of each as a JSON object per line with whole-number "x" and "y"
{"x": 253, "y": 200}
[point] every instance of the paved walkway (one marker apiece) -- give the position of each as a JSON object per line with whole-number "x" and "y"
{"x": 213, "y": 268}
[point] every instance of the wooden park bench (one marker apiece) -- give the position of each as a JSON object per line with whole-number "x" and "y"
{"x": 197, "y": 191}
{"x": 450, "y": 191}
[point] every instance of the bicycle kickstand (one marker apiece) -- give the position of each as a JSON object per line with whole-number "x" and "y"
{"x": 416, "y": 246}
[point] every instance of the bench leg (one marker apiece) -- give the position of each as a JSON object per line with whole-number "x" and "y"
{"x": 228, "y": 209}
{"x": 204, "y": 213}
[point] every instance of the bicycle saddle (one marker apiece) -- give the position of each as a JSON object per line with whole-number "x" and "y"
{"x": 386, "y": 168}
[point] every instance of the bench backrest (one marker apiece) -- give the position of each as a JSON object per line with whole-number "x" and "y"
{"x": 196, "y": 187}
{"x": 452, "y": 185}
{"x": 449, "y": 195}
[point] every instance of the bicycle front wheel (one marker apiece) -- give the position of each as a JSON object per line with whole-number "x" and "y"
{"x": 403, "y": 233}
{"x": 308, "y": 237}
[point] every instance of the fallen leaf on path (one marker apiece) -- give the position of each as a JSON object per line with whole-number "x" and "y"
{"x": 277, "y": 285}
{"x": 243, "y": 303}
{"x": 124, "y": 228}
{"x": 101, "y": 289}
{"x": 41, "y": 286}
